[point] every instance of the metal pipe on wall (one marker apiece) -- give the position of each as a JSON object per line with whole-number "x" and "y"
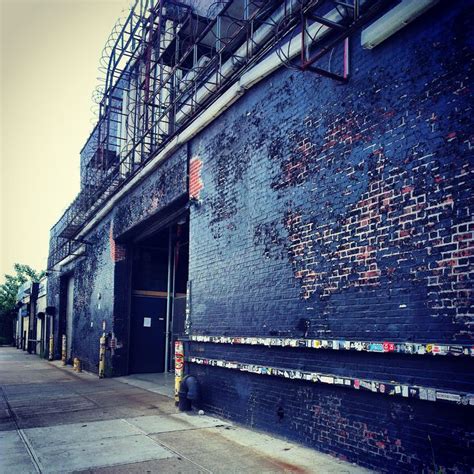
{"x": 168, "y": 299}
{"x": 173, "y": 295}
{"x": 254, "y": 75}
{"x": 231, "y": 65}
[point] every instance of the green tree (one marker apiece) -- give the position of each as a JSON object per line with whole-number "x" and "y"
{"x": 9, "y": 289}
{"x": 8, "y": 292}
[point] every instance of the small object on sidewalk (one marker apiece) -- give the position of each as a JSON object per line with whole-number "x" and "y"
{"x": 201, "y": 412}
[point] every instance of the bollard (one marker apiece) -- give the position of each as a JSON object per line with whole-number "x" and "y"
{"x": 178, "y": 368}
{"x": 51, "y": 348}
{"x": 64, "y": 350}
{"x": 77, "y": 365}
{"x": 102, "y": 341}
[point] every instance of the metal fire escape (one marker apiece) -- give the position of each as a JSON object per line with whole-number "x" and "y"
{"x": 164, "y": 65}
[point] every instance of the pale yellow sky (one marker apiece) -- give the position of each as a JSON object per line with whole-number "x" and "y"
{"x": 49, "y": 53}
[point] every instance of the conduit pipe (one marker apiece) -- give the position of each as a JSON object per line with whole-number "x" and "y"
{"x": 232, "y": 64}
{"x": 394, "y": 20}
{"x": 249, "y": 79}
{"x": 168, "y": 300}
{"x": 81, "y": 250}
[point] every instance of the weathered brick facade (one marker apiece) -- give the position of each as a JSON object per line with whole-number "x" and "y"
{"x": 102, "y": 274}
{"x": 323, "y": 211}
{"x": 348, "y": 206}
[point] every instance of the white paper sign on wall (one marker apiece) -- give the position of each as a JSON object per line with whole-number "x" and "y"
{"x": 147, "y": 322}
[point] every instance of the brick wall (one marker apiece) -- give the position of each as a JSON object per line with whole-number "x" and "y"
{"x": 101, "y": 285}
{"x": 164, "y": 186}
{"x": 348, "y": 206}
{"x": 374, "y": 431}
{"x": 195, "y": 182}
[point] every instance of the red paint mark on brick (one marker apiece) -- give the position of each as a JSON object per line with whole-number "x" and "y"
{"x": 370, "y": 274}
{"x": 117, "y": 251}
{"x": 448, "y": 201}
{"x": 388, "y": 114}
{"x": 466, "y": 236}
{"x": 195, "y": 182}
{"x": 451, "y": 136}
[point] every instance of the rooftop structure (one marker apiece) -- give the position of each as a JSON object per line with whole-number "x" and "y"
{"x": 164, "y": 65}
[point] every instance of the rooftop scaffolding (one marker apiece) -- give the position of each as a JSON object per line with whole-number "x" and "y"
{"x": 165, "y": 64}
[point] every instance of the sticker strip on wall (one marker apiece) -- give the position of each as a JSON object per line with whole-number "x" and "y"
{"x": 387, "y": 388}
{"x": 334, "y": 344}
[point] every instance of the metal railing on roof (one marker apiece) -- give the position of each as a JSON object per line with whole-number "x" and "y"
{"x": 166, "y": 64}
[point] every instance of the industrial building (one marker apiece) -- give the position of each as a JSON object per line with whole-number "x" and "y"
{"x": 33, "y": 326}
{"x": 24, "y": 324}
{"x": 285, "y": 187}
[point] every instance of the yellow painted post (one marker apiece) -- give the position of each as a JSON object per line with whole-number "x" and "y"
{"x": 178, "y": 368}
{"x": 64, "y": 350}
{"x": 51, "y": 348}
{"x": 102, "y": 341}
{"x": 77, "y": 365}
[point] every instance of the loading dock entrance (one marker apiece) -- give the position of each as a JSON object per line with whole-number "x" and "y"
{"x": 157, "y": 313}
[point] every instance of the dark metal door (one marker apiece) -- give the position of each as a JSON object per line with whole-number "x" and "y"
{"x": 147, "y": 341}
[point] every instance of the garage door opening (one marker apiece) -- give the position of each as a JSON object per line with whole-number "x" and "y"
{"x": 158, "y": 300}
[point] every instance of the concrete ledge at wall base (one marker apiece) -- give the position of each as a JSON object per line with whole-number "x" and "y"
{"x": 69, "y": 368}
{"x": 376, "y": 386}
{"x": 412, "y": 348}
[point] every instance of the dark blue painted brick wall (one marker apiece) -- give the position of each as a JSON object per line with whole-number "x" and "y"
{"x": 348, "y": 205}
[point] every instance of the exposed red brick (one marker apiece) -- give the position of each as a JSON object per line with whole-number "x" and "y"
{"x": 195, "y": 182}
{"x": 117, "y": 251}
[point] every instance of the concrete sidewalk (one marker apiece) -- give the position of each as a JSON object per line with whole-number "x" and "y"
{"x": 54, "y": 420}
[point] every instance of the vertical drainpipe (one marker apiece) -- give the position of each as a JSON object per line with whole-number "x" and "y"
{"x": 173, "y": 285}
{"x": 168, "y": 301}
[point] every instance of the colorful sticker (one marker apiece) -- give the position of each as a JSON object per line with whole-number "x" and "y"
{"x": 326, "y": 379}
{"x": 423, "y": 393}
{"x": 376, "y": 347}
{"x": 450, "y": 397}
{"x": 405, "y": 347}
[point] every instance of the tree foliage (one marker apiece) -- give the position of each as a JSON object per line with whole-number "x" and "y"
{"x": 9, "y": 289}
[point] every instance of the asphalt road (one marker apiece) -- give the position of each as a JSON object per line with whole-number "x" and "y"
{"x": 54, "y": 420}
